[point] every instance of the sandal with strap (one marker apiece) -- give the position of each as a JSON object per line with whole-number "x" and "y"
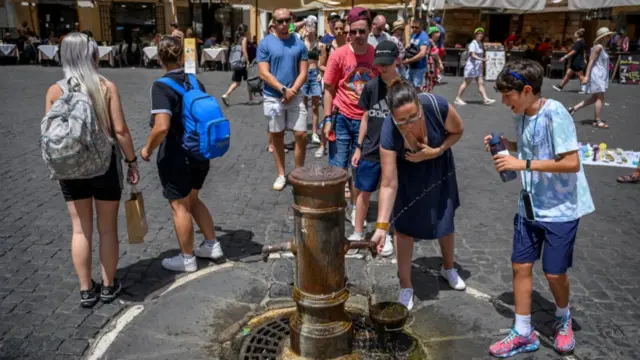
{"x": 629, "y": 179}
{"x": 572, "y": 111}
{"x": 601, "y": 124}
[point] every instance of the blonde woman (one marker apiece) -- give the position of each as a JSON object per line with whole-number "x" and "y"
{"x": 79, "y": 56}
{"x": 312, "y": 88}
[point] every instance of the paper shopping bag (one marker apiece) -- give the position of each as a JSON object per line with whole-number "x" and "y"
{"x": 136, "y": 219}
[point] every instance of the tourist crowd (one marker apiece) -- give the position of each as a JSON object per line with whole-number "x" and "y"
{"x": 377, "y": 121}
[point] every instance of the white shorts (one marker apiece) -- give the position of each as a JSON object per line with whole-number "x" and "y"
{"x": 281, "y": 116}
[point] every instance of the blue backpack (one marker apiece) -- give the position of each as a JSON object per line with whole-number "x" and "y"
{"x": 206, "y": 131}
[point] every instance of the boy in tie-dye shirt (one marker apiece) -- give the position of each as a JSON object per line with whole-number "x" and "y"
{"x": 554, "y": 181}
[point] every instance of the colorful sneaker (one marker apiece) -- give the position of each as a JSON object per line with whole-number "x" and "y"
{"x": 514, "y": 344}
{"x": 564, "y": 341}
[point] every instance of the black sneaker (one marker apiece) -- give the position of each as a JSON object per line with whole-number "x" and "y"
{"x": 109, "y": 293}
{"x": 88, "y": 298}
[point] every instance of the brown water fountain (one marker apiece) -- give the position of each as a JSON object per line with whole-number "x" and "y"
{"x": 320, "y": 328}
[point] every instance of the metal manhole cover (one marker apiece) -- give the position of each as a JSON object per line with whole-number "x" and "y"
{"x": 266, "y": 342}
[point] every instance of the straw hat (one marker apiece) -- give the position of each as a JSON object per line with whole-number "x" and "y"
{"x": 602, "y": 32}
{"x": 398, "y": 25}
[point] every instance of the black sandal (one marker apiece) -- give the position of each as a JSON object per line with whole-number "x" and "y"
{"x": 601, "y": 124}
{"x": 572, "y": 111}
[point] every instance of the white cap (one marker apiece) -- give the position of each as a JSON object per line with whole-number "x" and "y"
{"x": 311, "y": 19}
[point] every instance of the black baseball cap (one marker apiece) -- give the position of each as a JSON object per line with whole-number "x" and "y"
{"x": 386, "y": 53}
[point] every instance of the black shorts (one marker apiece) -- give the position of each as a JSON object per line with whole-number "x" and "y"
{"x": 179, "y": 174}
{"x": 239, "y": 75}
{"x": 578, "y": 67}
{"x": 105, "y": 187}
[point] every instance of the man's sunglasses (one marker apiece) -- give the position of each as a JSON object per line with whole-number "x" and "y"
{"x": 357, "y": 31}
{"x": 282, "y": 21}
{"x": 415, "y": 27}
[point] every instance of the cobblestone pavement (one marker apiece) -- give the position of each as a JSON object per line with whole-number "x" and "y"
{"x": 39, "y": 313}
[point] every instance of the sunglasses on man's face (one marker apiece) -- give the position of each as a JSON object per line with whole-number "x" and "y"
{"x": 357, "y": 31}
{"x": 282, "y": 21}
{"x": 415, "y": 27}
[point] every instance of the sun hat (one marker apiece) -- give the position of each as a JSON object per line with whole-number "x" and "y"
{"x": 398, "y": 25}
{"x": 602, "y": 32}
{"x": 433, "y": 29}
{"x": 477, "y": 30}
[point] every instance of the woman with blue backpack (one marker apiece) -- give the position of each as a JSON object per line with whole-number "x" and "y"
{"x": 83, "y": 124}
{"x": 185, "y": 125}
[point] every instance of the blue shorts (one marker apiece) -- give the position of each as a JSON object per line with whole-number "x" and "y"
{"x": 341, "y": 150}
{"x": 416, "y": 76}
{"x": 554, "y": 240}
{"x": 312, "y": 86}
{"x": 368, "y": 176}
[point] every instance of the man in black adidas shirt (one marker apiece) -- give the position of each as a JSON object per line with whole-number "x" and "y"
{"x": 366, "y": 158}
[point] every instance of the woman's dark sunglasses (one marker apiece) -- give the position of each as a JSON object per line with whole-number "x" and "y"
{"x": 357, "y": 31}
{"x": 282, "y": 21}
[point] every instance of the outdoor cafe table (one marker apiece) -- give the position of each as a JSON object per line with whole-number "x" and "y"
{"x": 214, "y": 55}
{"x": 107, "y": 54}
{"x": 150, "y": 53}
{"x": 8, "y": 50}
{"x": 48, "y": 52}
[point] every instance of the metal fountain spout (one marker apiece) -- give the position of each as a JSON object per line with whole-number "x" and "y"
{"x": 320, "y": 327}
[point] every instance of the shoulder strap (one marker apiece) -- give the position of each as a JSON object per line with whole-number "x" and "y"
{"x": 172, "y": 84}
{"x": 193, "y": 81}
{"x": 63, "y": 86}
{"x": 436, "y": 108}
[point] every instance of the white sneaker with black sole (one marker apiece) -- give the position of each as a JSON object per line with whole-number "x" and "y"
{"x": 180, "y": 263}
{"x": 209, "y": 250}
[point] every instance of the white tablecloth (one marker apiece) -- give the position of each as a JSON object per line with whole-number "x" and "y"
{"x": 214, "y": 55}
{"x": 150, "y": 53}
{"x": 47, "y": 52}
{"x": 8, "y": 50}
{"x": 107, "y": 54}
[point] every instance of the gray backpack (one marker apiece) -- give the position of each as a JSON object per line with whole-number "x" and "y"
{"x": 236, "y": 60}
{"x": 72, "y": 143}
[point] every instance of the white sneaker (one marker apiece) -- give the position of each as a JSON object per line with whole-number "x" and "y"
{"x": 583, "y": 89}
{"x": 351, "y": 216}
{"x": 180, "y": 263}
{"x": 557, "y": 88}
{"x": 354, "y": 237}
{"x": 452, "y": 277}
{"x": 459, "y": 101}
{"x": 213, "y": 252}
{"x": 406, "y": 298}
{"x": 319, "y": 153}
{"x": 280, "y": 183}
{"x": 387, "y": 249}
{"x": 315, "y": 139}
{"x": 489, "y": 101}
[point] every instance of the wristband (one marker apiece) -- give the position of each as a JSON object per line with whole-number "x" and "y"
{"x": 528, "y": 168}
{"x": 135, "y": 158}
{"x": 383, "y": 226}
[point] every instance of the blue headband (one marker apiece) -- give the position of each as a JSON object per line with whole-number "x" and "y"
{"x": 518, "y": 76}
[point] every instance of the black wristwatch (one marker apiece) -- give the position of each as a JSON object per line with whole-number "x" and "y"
{"x": 359, "y": 146}
{"x": 283, "y": 90}
{"x": 528, "y": 168}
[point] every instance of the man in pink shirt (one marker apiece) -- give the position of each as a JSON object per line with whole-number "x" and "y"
{"x": 349, "y": 68}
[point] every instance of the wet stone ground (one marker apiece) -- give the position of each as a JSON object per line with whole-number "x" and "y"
{"x": 39, "y": 313}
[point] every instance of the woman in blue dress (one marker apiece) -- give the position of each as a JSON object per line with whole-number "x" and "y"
{"x": 418, "y": 190}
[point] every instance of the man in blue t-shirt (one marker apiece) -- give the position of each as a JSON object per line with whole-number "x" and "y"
{"x": 282, "y": 62}
{"x": 416, "y": 55}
